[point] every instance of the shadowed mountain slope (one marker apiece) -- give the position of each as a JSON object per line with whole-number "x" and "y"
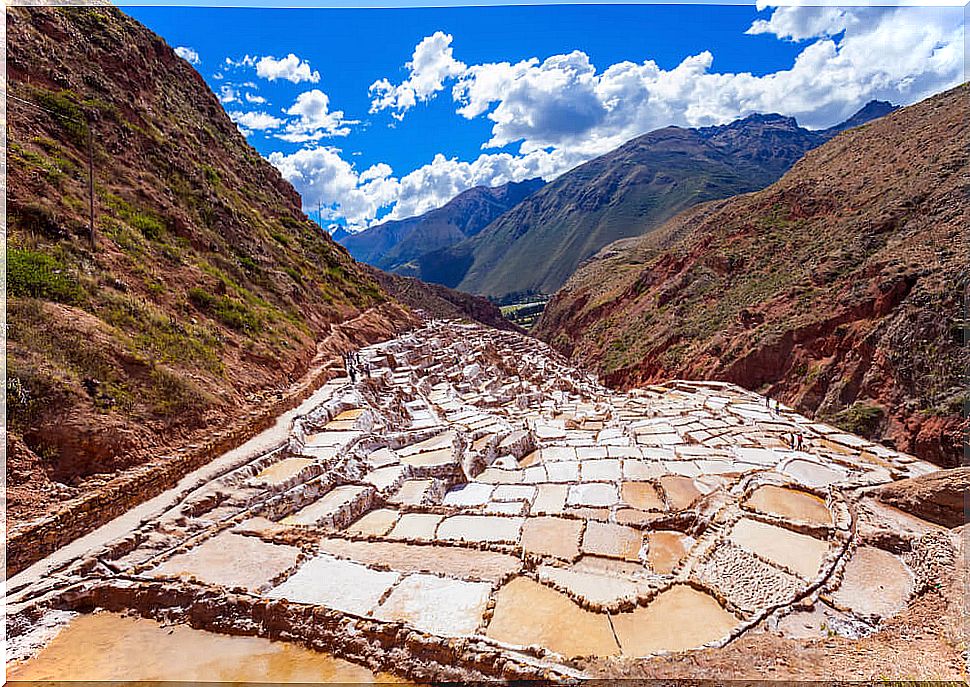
{"x": 538, "y": 244}
{"x": 392, "y": 245}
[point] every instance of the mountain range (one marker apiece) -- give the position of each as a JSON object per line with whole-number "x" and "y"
{"x": 394, "y": 245}
{"x": 837, "y": 289}
{"x": 536, "y": 245}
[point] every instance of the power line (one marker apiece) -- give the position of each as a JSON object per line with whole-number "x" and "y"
{"x": 44, "y": 109}
{"x": 87, "y": 121}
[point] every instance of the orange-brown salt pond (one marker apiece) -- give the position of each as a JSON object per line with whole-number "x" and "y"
{"x": 790, "y": 503}
{"x": 108, "y": 646}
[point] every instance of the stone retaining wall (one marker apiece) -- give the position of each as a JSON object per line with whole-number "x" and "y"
{"x": 377, "y": 644}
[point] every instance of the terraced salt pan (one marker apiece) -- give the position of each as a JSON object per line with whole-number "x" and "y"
{"x": 641, "y": 495}
{"x": 666, "y": 549}
{"x": 436, "y": 458}
{"x": 548, "y": 536}
{"x": 492, "y": 475}
{"x": 435, "y": 443}
{"x": 480, "y": 528}
{"x": 346, "y": 415}
{"x": 592, "y": 494}
{"x": 377, "y": 523}
{"x": 331, "y": 439}
{"x": 446, "y": 607}
{"x": 514, "y": 492}
{"x": 340, "y": 425}
{"x": 412, "y": 492}
{"x": 681, "y": 492}
{"x": 677, "y": 619}
{"x": 231, "y": 560}
{"x": 601, "y": 470}
{"x": 528, "y": 613}
{"x": 329, "y": 505}
{"x": 796, "y": 552}
{"x": 382, "y": 457}
{"x": 453, "y": 561}
{"x": 875, "y": 583}
{"x": 813, "y": 474}
{"x": 593, "y": 587}
{"x": 790, "y": 503}
{"x": 385, "y": 477}
{"x": 342, "y": 585}
{"x": 550, "y": 498}
{"x": 612, "y": 541}
{"x": 107, "y": 647}
{"x": 565, "y": 471}
{"x": 746, "y": 580}
{"x": 416, "y": 526}
{"x": 283, "y": 470}
{"x": 470, "y": 494}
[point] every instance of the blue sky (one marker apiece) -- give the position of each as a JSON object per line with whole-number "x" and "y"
{"x": 390, "y": 112}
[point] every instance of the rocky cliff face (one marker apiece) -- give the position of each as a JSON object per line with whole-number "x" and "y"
{"x": 205, "y": 290}
{"x": 838, "y": 289}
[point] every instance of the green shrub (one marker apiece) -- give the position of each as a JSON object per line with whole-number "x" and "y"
{"x": 172, "y": 394}
{"x": 67, "y": 113}
{"x": 211, "y": 175}
{"x": 860, "y": 418}
{"x": 150, "y": 226}
{"x": 231, "y": 313}
{"x": 294, "y": 274}
{"x": 35, "y": 274}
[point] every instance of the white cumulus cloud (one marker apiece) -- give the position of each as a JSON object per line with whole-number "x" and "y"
{"x": 228, "y": 94}
{"x": 188, "y": 54}
{"x": 314, "y": 119}
{"x": 851, "y": 55}
{"x": 291, "y": 68}
{"x": 431, "y": 64}
{"x": 324, "y": 179}
{"x": 254, "y": 121}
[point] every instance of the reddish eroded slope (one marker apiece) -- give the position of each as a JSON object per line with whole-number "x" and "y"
{"x": 206, "y": 292}
{"x": 838, "y": 289}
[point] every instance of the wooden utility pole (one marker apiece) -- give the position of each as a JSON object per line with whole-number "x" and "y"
{"x": 91, "y": 185}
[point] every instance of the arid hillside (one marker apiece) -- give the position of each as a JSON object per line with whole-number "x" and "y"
{"x": 205, "y": 290}
{"x": 838, "y": 289}
{"x": 434, "y": 301}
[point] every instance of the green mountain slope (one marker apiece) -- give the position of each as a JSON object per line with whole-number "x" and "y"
{"x": 392, "y": 245}
{"x": 539, "y": 243}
